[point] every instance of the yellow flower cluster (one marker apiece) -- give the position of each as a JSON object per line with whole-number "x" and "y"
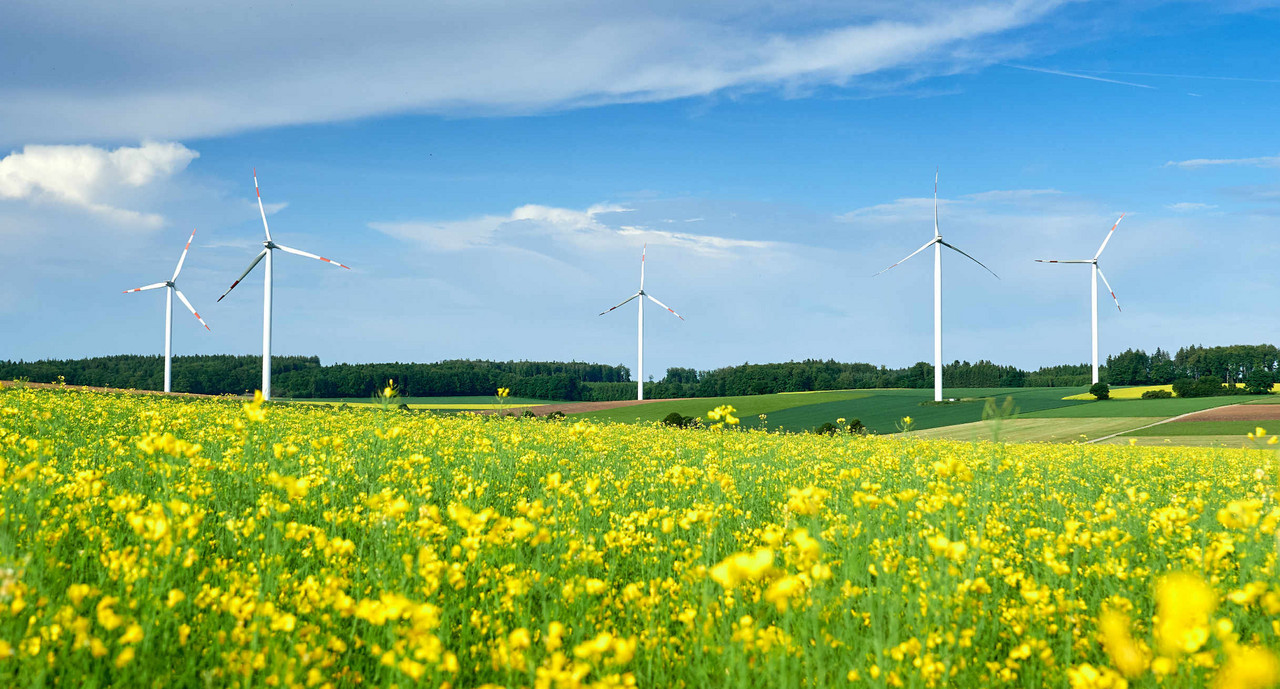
{"x": 149, "y": 541}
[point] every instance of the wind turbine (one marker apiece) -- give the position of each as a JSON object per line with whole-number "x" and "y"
{"x": 267, "y": 247}
{"x": 640, "y": 337}
{"x": 168, "y": 311}
{"x": 1093, "y": 282}
{"x": 937, "y": 245}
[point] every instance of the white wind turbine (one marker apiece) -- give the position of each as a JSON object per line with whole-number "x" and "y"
{"x": 1093, "y": 282}
{"x": 168, "y": 312}
{"x": 640, "y": 336}
{"x": 937, "y": 245}
{"x": 268, "y": 246}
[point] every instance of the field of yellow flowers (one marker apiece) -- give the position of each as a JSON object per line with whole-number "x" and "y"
{"x": 148, "y": 541}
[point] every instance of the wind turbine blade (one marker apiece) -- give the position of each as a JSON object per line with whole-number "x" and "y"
{"x": 246, "y": 272}
{"x": 642, "y": 253}
{"x": 260, "y": 209}
{"x": 936, "y": 233}
{"x": 1104, "y": 241}
{"x": 191, "y": 308}
{"x": 650, "y": 296}
{"x": 913, "y": 253}
{"x": 968, "y": 257}
{"x": 622, "y": 304}
{"x": 157, "y": 285}
{"x": 303, "y": 253}
{"x": 1113, "y": 292}
{"x": 183, "y": 258}
{"x": 1042, "y": 260}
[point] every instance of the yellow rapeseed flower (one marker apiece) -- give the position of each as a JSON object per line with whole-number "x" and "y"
{"x": 1249, "y": 668}
{"x": 1183, "y": 604}
{"x": 741, "y": 567}
{"x": 1126, "y": 655}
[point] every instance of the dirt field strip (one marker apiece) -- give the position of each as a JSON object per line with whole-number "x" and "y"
{"x": 1180, "y": 417}
{"x": 1237, "y": 412}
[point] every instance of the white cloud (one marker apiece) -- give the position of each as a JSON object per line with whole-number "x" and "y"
{"x": 89, "y": 177}
{"x": 1263, "y": 161}
{"x": 582, "y": 229}
{"x": 454, "y": 58}
{"x": 1187, "y": 207}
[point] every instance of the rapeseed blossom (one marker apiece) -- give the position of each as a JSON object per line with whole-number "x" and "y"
{"x": 165, "y": 542}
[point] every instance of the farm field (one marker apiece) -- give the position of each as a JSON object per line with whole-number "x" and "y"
{"x": 150, "y": 541}
{"x": 1125, "y": 408}
{"x": 880, "y": 410}
{"x": 1023, "y": 430}
{"x": 1237, "y": 429}
{"x": 442, "y": 403}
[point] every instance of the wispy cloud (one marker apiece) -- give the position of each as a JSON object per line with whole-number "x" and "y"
{"x": 465, "y": 58}
{"x": 1188, "y": 207}
{"x": 591, "y": 228}
{"x": 1077, "y": 75}
{"x": 1262, "y": 161}
{"x": 1256, "y": 80}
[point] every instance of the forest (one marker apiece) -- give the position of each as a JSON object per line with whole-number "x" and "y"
{"x": 306, "y": 377}
{"x": 1231, "y": 364}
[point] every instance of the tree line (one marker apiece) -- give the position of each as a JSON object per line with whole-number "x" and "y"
{"x": 1230, "y": 364}
{"x": 813, "y": 374}
{"x": 306, "y": 377}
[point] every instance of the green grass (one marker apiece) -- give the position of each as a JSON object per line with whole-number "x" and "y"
{"x": 1121, "y": 408}
{"x": 879, "y": 410}
{"x": 1021, "y": 430}
{"x": 1222, "y": 441}
{"x": 1232, "y": 428}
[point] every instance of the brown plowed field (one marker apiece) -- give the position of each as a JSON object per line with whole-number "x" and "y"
{"x": 1236, "y": 412}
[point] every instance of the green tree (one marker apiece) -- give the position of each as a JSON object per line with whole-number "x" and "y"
{"x": 1259, "y": 381}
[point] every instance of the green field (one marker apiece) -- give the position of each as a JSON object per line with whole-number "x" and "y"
{"x": 1221, "y": 441}
{"x": 1183, "y": 428}
{"x": 1120, "y": 408}
{"x": 1022, "y": 430}
{"x": 880, "y": 410}
{"x": 748, "y": 406}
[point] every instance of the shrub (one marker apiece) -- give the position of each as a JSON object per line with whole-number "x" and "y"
{"x": 1184, "y": 387}
{"x": 555, "y": 415}
{"x": 674, "y": 419}
{"x": 1156, "y": 395}
{"x": 1209, "y": 387}
{"x": 827, "y": 428}
{"x": 528, "y": 414}
{"x": 1101, "y": 391}
{"x": 856, "y": 427}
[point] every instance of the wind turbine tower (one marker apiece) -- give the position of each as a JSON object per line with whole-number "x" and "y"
{"x": 172, "y": 289}
{"x": 269, "y": 246}
{"x": 1093, "y": 285}
{"x": 937, "y": 243}
{"x": 640, "y": 332}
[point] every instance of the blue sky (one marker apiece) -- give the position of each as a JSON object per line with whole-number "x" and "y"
{"x": 491, "y": 171}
